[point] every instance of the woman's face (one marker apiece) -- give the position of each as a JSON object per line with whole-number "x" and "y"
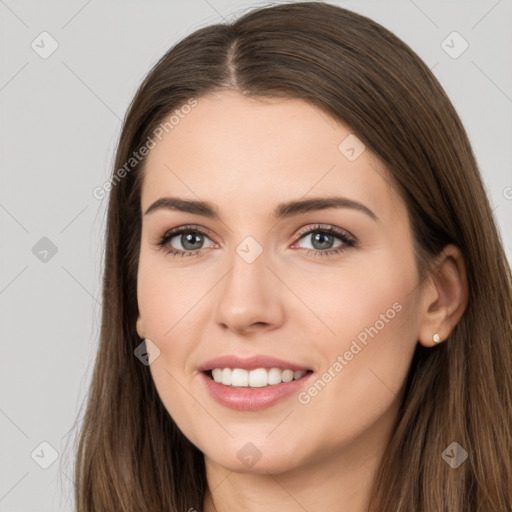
{"x": 261, "y": 277}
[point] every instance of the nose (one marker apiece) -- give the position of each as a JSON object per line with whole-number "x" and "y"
{"x": 249, "y": 299}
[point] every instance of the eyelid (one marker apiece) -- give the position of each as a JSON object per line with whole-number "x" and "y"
{"x": 178, "y": 230}
{"x": 328, "y": 228}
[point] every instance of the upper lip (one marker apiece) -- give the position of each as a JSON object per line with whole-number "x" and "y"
{"x": 250, "y": 363}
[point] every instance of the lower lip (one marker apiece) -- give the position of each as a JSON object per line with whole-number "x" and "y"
{"x": 253, "y": 399}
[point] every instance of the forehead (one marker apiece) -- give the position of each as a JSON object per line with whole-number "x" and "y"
{"x": 252, "y": 151}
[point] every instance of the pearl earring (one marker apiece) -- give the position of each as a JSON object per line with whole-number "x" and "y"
{"x": 436, "y": 338}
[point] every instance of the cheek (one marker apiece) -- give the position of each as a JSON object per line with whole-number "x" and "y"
{"x": 358, "y": 300}
{"x": 165, "y": 297}
{"x": 366, "y": 361}
{"x": 166, "y": 300}
{"x": 169, "y": 304}
{"x": 371, "y": 328}
{"x": 176, "y": 394}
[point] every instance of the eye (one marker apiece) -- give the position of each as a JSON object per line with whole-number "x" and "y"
{"x": 184, "y": 241}
{"x": 189, "y": 240}
{"x": 323, "y": 239}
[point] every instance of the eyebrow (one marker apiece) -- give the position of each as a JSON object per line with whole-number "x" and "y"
{"x": 282, "y": 211}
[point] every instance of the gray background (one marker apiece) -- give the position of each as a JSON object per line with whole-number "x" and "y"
{"x": 60, "y": 120}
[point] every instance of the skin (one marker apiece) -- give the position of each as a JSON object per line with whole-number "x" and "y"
{"x": 287, "y": 303}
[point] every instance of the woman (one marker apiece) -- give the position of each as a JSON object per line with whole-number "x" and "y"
{"x": 306, "y": 302}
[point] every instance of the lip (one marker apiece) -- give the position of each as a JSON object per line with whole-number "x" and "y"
{"x": 252, "y": 399}
{"x": 250, "y": 363}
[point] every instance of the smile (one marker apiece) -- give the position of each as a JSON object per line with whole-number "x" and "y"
{"x": 244, "y": 397}
{"x": 257, "y": 378}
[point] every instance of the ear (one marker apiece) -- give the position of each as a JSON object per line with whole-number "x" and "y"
{"x": 444, "y": 298}
{"x": 141, "y": 331}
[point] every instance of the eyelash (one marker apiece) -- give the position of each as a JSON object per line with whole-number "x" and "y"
{"x": 348, "y": 240}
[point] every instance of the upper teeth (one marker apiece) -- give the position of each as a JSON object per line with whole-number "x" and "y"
{"x": 256, "y": 378}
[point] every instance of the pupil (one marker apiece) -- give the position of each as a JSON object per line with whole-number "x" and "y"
{"x": 322, "y": 238}
{"x": 187, "y": 240}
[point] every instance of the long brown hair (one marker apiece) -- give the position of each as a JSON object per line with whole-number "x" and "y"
{"x": 130, "y": 454}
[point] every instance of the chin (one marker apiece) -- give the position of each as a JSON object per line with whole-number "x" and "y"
{"x": 254, "y": 457}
